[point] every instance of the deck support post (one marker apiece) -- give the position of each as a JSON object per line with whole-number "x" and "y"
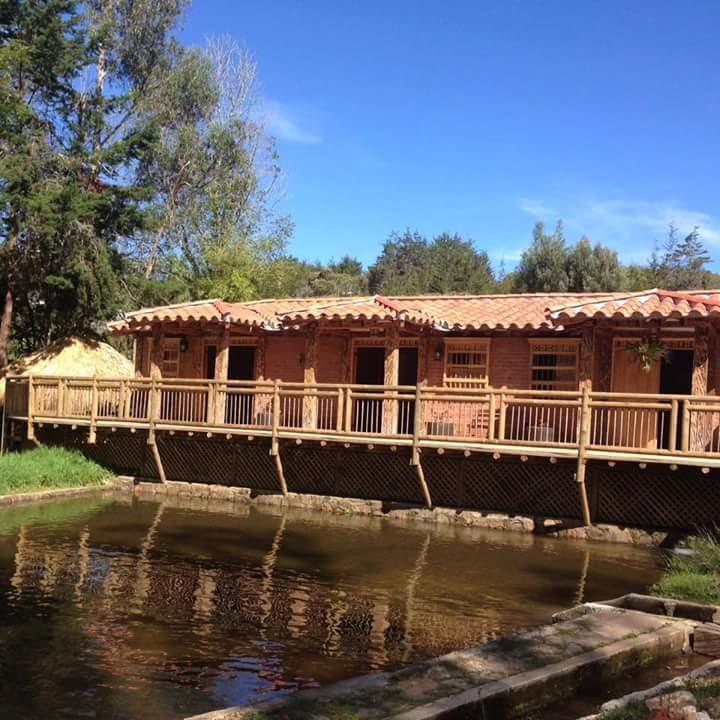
{"x": 583, "y": 439}
{"x": 417, "y": 430}
{"x": 152, "y": 440}
{"x": 275, "y": 442}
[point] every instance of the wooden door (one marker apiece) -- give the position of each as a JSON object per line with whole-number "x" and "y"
{"x": 630, "y": 427}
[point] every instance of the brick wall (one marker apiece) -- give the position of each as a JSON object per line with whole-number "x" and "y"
{"x": 283, "y": 355}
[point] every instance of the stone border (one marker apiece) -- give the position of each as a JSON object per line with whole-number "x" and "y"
{"x": 554, "y": 527}
{"x": 637, "y": 641}
{"x": 25, "y": 498}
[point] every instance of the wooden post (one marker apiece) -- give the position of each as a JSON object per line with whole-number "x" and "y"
{"x": 31, "y": 409}
{"x": 222, "y": 362}
{"x": 92, "y": 437}
{"x": 417, "y": 432}
{"x": 275, "y": 442}
{"x": 211, "y": 403}
{"x": 587, "y": 356}
{"x": 158, "y": 460}
{"x": 275, "y": 418}
{"x": 122, "y": 400}
{"x": 491, "y": 417}
{"x": 583, "y": 439}
{"x": 60, "y": 405}
{"x": 685, "y": 440}
{"x": 260, "y": 359}
{"x": 3, "y": 424}
{"x": 340, "y": 410}
{"x": 348, "y": 409}
{"x": 700, "y": 432}
{"x": 672, "y": 441}
{"x": 503, "y": 416}
{"x": 310, "y": 403}
{"x": 156, "y": 354}
{"x": 392, "y": 367}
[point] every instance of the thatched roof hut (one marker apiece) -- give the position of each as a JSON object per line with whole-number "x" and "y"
{"x": 75, "y": 356}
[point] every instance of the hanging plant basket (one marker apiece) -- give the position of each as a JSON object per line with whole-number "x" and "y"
{"x": 647, "y": 352}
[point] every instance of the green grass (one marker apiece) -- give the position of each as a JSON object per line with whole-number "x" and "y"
{"x": 46, "y": 468}
{"x": 694, "y": 577}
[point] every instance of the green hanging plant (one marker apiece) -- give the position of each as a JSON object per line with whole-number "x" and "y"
{"x": 647, "y": 352}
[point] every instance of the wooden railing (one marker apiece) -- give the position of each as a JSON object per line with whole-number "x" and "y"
{"x": 664, "y": 428}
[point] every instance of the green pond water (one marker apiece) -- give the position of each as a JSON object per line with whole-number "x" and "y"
{"x": 112, "y": 609}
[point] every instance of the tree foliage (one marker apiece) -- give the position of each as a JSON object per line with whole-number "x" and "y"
{"x": 409, "y": 264}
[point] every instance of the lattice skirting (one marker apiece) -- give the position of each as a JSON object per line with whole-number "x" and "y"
{"x": 625, "y": 495}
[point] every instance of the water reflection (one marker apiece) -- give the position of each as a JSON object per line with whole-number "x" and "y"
{"x": 117, "y": 610}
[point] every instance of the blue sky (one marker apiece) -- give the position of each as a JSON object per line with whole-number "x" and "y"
{"x": 481, "y": 117}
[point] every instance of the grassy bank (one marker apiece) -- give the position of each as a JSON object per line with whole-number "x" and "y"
{"x": 46, "y": 468}
{"x": 695, "y": 576}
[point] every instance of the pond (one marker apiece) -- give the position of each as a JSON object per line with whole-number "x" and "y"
{"x": 125, "y": 610}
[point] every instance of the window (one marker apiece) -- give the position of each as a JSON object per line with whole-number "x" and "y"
{"x": 171, "y": 358}
{"x": 466, "y": 363}
{"x": 554, "y": 365}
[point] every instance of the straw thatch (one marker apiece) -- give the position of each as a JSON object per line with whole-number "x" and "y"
{"x": 78, "y": 357}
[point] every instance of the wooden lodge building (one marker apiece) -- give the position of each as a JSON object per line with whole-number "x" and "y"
{"x": 524, "y": 341}
{"x": 492, "y": 402}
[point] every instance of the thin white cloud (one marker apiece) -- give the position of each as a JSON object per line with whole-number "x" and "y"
{"x": 287, "y": 125}
{"x": 630, "y": 226}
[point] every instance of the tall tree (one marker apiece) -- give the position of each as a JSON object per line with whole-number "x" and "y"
{"x": 593, "y": 268}
{"x": 217, "y": 174}
{"x": 543, "y": 266}
{"x": 73, "y": 78}
{"x": 455, "y": 266}
{"x": 402, "y": 267}
{"x": 682, "y": 265}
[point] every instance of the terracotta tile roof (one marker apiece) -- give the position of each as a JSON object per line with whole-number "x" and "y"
{"x": 646, "y": 305}
{"x": 203, "y": 310}
{"x": 442, "y": 312}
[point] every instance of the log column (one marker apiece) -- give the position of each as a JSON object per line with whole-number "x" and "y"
{"x": 700, "y": 362}
{"x": 222, "y": 361}
{"x": 310, "y": 406}
{"x": 392, "y": 369}
{"x": 156, "y": 351}
{"x": 700, "y": 432}
{"x": 587, "y": 357}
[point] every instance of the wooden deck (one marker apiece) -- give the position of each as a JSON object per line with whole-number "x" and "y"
{"x": 581, "y": 426}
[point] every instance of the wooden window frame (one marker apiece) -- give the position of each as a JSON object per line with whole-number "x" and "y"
{"x": 554, "y": 346}
{"x": 172, "y": 344}
{"x": 472, "y": 345}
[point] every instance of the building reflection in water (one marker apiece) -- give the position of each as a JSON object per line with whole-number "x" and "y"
{"x": 191, "y": 610}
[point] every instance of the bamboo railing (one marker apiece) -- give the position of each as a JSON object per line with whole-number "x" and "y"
{"x": 665, "y": 426}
